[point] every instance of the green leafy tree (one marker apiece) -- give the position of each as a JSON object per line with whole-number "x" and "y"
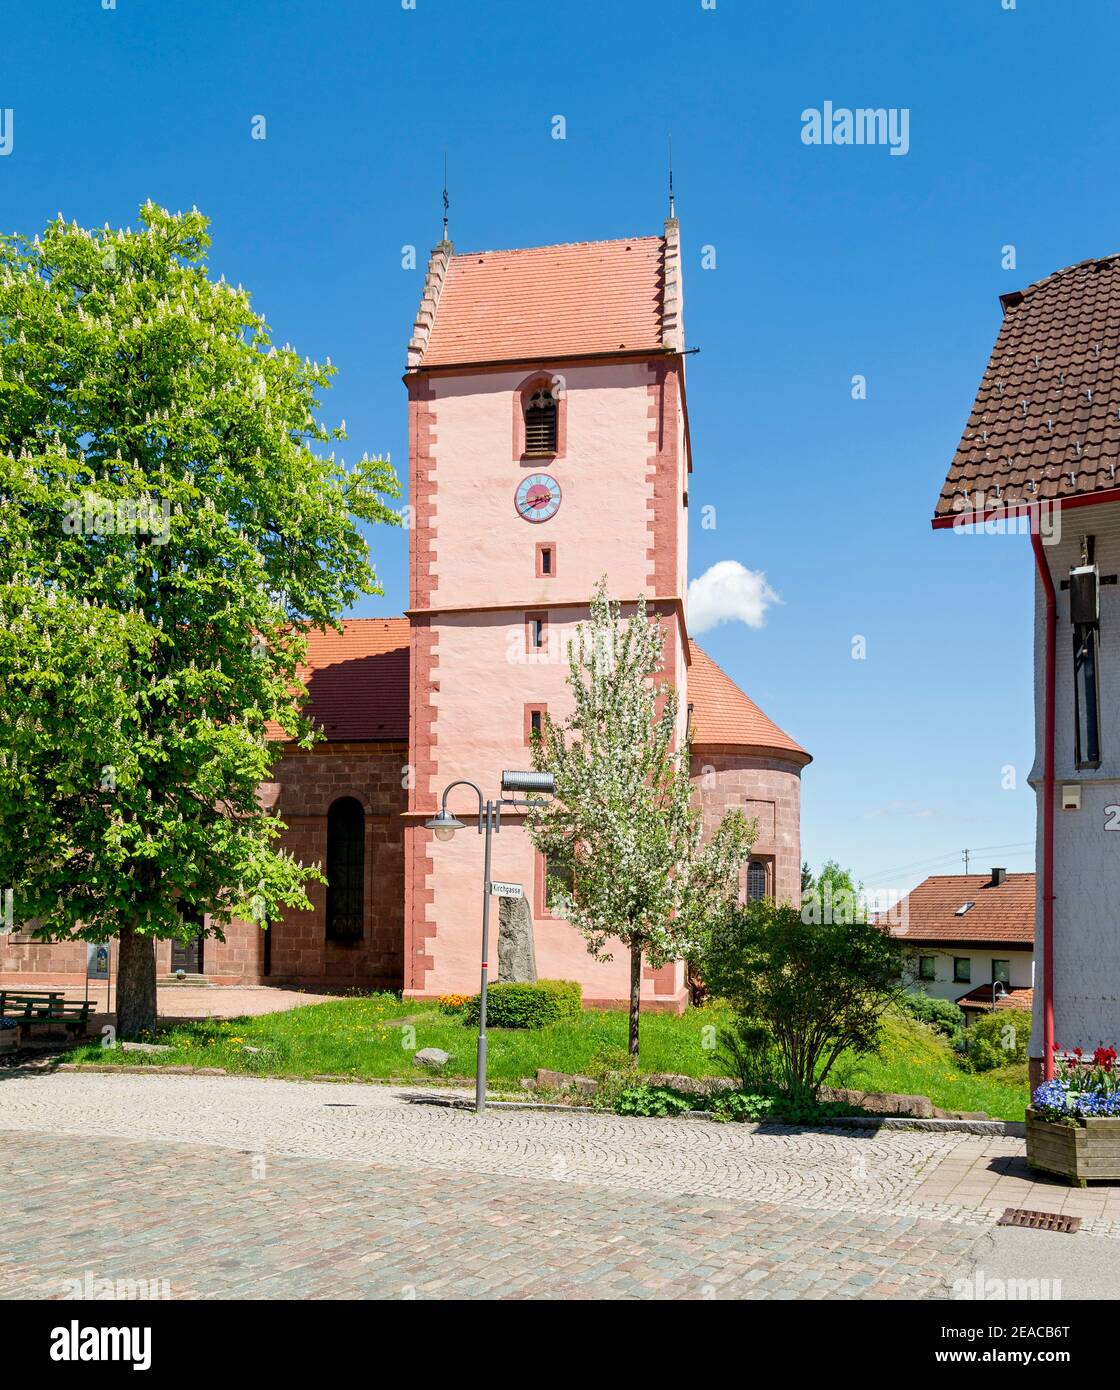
{"x": 803, "y": 993}
{"x": 168, "y": 534}
{"x": 623, "y": 838}
{"x": 808, "y": 882}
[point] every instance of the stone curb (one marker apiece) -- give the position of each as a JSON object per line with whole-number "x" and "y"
{"x": 1014, "y": 1129}
{"x": 1011, "y": 1128}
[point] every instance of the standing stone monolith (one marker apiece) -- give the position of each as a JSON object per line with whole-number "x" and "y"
{"x": 517, "y": 955}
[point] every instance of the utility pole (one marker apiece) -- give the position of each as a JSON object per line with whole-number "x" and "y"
{"x": 965, "y": 853}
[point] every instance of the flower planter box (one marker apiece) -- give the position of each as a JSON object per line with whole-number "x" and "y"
{"x": 1084, "y": 1151}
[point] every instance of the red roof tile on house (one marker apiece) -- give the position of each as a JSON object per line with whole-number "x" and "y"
{"x": 583, "y": 298}
{"x": 1046, "y": 410}
{"x": 1014, "y": 997}
{"x": 357, "y": 681}
{"x": 1002, "y": 916}
{"x": 723, "y": 715}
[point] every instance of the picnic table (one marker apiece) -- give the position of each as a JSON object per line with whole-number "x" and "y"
{"x": 29, "y": 1007}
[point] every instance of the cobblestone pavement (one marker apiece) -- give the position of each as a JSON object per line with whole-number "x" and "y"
{"x": 233, "y": 1226}
{"x": 238, "y": 1187}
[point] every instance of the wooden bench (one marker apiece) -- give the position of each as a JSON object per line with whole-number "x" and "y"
{"x": 31, "y": 1006}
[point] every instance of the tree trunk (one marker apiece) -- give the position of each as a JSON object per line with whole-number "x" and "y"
{"x": 635, "y": 995}
{"x": 136, "y": 984}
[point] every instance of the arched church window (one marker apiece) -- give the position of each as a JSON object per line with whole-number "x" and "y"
{"x": 346, "y": 862}
{"x": 540, "y": 421}
{"x": 756, "y": 881}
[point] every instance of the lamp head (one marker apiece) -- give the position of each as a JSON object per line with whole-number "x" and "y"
{"x": 444, "y": 824}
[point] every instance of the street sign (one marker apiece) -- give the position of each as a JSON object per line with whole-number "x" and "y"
{"x": 507, "y": 890}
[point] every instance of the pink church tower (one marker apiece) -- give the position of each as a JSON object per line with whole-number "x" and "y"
{"x": 548, "y": 447}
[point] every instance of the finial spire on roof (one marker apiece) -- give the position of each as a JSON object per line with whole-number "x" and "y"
{"x": 672, "y": 200}
{"x": 446, "y": 201}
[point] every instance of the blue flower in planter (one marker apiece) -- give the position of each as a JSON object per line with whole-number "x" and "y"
{"x": 1097, "y": 1102}
{"x": 1051, "y": 1099}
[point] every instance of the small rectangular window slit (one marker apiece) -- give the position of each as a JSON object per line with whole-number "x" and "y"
{"x": 536, "y": 632}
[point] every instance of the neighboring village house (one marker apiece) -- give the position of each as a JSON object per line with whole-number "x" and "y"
{"x": 549, "y": 445}
{"x": 1043, "y": 442}
{"x": 972, "y": 937}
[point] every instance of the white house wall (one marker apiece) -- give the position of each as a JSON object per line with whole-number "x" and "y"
{"x": 1086, "y": 853}
{"x": 943, "y": 986}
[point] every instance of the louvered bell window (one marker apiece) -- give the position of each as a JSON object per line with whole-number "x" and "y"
{"x": 540, "y": 422}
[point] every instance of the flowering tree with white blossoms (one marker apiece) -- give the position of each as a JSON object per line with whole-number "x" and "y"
{"x": 623, "y": 838}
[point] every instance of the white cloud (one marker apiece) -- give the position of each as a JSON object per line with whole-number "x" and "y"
{"x": 728, "y": 592}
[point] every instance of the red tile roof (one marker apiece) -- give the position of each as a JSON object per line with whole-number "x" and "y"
{"x": 1047, "y": 403}
{"x": 1015, "y": 997}
{"x": 1003, "y": 915}
{"x": 583, "y": 298}
{"x": 357, "y": 681}
{"x": 722, "y": 714}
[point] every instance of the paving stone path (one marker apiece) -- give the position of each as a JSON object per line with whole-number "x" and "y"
{"x": 248, "y": 1188}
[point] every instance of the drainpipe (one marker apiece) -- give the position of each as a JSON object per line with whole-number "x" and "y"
{"x": 1047, "y": 811}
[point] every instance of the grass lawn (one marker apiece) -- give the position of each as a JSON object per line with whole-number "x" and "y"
{"x": 374, "y": 1037}
{"x": 914, "y": 1060}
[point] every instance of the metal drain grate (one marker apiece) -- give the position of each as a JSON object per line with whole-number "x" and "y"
{"x": 1038, "y": 1220}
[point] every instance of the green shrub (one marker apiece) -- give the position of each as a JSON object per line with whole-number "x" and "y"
{"x": 657, "y": 1101}
{"x": 746, "y": 1053}
{"x": 527, "y": 1006}
{"x": 997, "y": 1039}
{"x": 613, "y": 1070}
{"x": 804, "y": 991}
{"x": 740, "y": 1105}
{"x": 941, "y": 1014}
{"x": 777, "y": 1107}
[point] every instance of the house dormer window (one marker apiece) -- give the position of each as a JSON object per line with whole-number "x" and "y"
{"x": 540, "y": 421}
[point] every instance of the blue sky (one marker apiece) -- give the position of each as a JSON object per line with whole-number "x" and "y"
{"x": 831, "y": 261}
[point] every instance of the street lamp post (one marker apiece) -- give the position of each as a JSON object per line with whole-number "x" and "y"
{"x": 444, "y": 826}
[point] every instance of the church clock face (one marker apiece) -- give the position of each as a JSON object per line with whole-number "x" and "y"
{"x": 537, "y": 497}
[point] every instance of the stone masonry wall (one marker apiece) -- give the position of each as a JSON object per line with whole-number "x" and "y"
{"x": 305, "y": 785}
{"x": 767, "y": 789}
